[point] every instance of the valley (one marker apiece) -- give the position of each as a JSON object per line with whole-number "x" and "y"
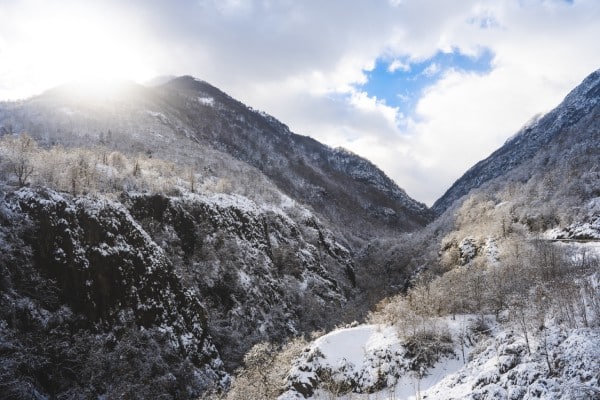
{"x": 171, "y": 242}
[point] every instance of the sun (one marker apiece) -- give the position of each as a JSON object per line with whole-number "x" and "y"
{"x": 90, "y": 49}
{"x": 81, "y": 43}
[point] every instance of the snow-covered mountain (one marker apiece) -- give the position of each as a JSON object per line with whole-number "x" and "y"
{"x": 344, "y": 188}
{"x": 573, "y": 122}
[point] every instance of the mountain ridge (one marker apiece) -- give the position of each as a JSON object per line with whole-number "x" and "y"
{"x": 302, "y": 152}
{"x": 338, "y": 184}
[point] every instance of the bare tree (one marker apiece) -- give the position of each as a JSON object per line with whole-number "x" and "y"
{"x": 20, "y": 155}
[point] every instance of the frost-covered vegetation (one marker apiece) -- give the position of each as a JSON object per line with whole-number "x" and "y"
{"x": 252, "y": 263}
{"x": 103, "y": 170}
{"x": 531, "y": 331}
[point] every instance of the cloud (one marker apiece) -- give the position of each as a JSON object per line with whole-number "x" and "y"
{"x": 304, "y": 62}
{"x": 432, "y": 69}
{"x": 396, "y": 65}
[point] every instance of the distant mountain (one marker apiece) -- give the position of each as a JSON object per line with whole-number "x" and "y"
{"x": 573, "y": 121}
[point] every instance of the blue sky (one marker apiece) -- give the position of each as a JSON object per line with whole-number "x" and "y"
{"x": 323, "y": 67}
{"x": 400, "y": 82}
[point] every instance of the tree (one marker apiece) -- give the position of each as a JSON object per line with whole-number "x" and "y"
{"x": 192, "y": 179}
{"x": 19, "y": 157}
{"x": 520, "y": 313}
{"x": 541, "y": 297}
{"x": 265, "y": 369}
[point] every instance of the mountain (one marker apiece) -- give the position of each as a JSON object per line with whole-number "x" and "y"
{"x": 171, "y": 242}
{"x": 573, "y": 120}
{"x": 344, "y": 188}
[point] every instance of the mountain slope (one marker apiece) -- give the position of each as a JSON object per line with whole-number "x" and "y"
{"x": 91, "y": 306}
{"x": 336, "y": 182}
{"x": 504, "y": 301}
{"x": 182, "y": 285}
{"x": 558, "y": 124}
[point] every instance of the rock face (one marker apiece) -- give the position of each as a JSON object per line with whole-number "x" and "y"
{"x": 182, "y": 282}
{"x": 262, "y": 274}
{"x": 85, "y": 276}
{"x": 569, "y": 122}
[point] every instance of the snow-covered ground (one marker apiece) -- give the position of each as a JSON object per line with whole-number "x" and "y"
{"x": 374, "y": 359}
{"x": 502, "y": 369}
{"x": 589, "y": 230}
{"x": 564, "y": 365}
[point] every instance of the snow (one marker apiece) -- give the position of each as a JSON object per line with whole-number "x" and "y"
{"x": 491, "y": 250}
{"x": 67, "y": 110}
{"x": 287, "y": 202}
{"x": 207, "y": 101}
{"x": 223, "y": 200}
{"x": 468, "y": 249}
{"x": 365, "y": 353}
{"x": 352, "y": 344}
{"x": 157, "y": 114}
{"x": 579, "y": 231}
{"x": 245, "y": 280}
{"x": 526, "y": 376}
{"x": 497, "y": 367}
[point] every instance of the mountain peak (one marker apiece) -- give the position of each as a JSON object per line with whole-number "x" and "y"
{"x": 96, "y": 90}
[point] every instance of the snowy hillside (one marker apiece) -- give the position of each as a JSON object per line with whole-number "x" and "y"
{"x": 570, "y": 118}
{"x": 542, "y": 343}
{"x": 206, "y": 276}
{"x": 371, "y": 359}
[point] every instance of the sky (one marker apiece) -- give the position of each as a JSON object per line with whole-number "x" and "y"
{"x": 423, "y": 88}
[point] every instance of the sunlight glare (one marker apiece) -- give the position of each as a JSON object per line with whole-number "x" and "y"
{"x": 84, "y": 45}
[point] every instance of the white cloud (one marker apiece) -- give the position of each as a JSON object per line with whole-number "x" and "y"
{"x": 302, "y": 61}
{"x": 432, "y": 69}
{"x": 396, "y": 65}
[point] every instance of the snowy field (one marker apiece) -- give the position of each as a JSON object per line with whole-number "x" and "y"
{"x": 365, "y": 353}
